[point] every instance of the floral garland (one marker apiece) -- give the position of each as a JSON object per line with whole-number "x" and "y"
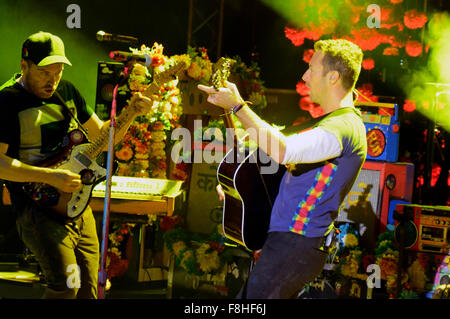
{"x": 116, "y": 263}
{"x": 352, "y": 262}
{"x": 142, "y": 152}
{"x": 196, "y": 254}
{"x": 251, "y": 86}
{"x": 200, "y": 68}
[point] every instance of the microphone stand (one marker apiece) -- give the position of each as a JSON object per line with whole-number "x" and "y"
{"x": 106, "y": 208}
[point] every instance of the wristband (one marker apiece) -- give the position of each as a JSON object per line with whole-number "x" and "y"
{"x": 237, "y": 107}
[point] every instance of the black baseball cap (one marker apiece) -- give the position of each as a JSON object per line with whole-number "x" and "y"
{"x": 44, "y": 48}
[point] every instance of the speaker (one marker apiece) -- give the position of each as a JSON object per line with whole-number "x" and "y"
{"x": 367, "y": 203}
{"x": 108, "y": 75}
{"x": 382, "y": 130}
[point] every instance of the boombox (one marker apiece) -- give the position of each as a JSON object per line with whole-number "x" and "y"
{"x": 423, "y": 228}
{"x": 382, "y": 131}
{"x": 367, "y": 204}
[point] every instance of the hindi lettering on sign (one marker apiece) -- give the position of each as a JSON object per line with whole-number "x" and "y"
{"x": 206, "y": 182}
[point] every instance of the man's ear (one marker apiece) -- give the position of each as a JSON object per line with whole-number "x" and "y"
{"x": 333, "y": 77}
{"x": 23, "y": 65}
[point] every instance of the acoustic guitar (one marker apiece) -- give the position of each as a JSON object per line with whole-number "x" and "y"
{"x": 249, "y": 192}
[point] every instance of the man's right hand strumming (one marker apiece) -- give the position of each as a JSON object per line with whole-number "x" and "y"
{"x": 64, "y": 180}
{"x": 16, "y": 171}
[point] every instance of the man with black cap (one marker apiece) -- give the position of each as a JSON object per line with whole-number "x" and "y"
{"x": 35, "y": 120}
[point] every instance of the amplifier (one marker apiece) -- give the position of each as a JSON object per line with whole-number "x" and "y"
{"x": 423, "y": 228}
{"x": 108, "y": 75}
{"x": 382, "y": 131}
{"x": 367, "y": 203}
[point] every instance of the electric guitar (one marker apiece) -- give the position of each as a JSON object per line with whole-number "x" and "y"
{"x": 249, "y": 193}
{"x": 79, "y": 156}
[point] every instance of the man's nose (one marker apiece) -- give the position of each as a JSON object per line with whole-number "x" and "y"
{"x": 305, "y": 76}
{"x": 52, "y": 79}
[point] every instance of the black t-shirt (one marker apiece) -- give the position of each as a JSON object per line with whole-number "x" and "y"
{"x": 34, "y": 128}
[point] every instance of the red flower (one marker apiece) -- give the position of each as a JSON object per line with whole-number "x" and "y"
{"x": 368, "y": 260}
{"x": 368, "y": 64}
{"x": 395, "y": 43}
{"x": 158, "y": 60}
{"x": 367, "y": 90}
{"x": 414, "y": 19}
{"x": 305, "y": 103}
{"x": 314, "y": 109}
{"x": 396, "y": 1}
{"x": 385, "y": 15}
{"x": 169, "y": 223}
{"x": 409, "y": 106}
{"x": 435, "y": 172}
{"x": 307, "y": 55}
{"x": 302, "y": 89}
{"x": 117, "y": 267}
{"x": 368, "y": 39}
{"x": 297, "y": 37}
{"x": 413, "y": 48}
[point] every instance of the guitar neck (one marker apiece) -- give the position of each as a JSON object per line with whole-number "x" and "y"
{"x": 102, "y": 140}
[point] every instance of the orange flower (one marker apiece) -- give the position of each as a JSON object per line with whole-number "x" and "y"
{"x": 141, "y": 148}
{"x": 124, "y": 154}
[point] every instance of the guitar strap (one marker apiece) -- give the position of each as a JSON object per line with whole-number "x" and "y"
{"x": 80, "y": 126}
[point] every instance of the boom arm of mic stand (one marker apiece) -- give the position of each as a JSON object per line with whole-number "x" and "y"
{"x": 106, "y": 208}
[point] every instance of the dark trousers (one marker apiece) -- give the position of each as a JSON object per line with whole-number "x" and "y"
{"x": 287, "y": 263}
{"x": 68, "y": 252}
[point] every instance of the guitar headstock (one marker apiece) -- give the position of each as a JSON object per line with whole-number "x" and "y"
{"x": 171, "y": 72}
{"x": 221, "y": 72}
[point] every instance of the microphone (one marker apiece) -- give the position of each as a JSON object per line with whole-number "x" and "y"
{"x": 103, "y": 36}
{"x": 123, "y": 56}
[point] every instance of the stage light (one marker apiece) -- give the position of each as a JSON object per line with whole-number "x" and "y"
{"x": 429, "y": 85}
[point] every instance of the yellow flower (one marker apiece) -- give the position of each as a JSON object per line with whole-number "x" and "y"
{"x": 195, "y": 71}
{"x": 418, "y": 278}
{"x": 158, "y": 136}
{"x": 177, "y": 247}
{"x": 143, "y": 163}
{"x": 350, "y": 240}
{"x": 140, "y": 156}
{"x": 208, "y": 261}
{"x": 188, "y": 254}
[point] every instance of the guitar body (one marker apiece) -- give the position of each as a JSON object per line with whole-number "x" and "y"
{"x": 249, "y": 197}
{"x": 69, "y": 204}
